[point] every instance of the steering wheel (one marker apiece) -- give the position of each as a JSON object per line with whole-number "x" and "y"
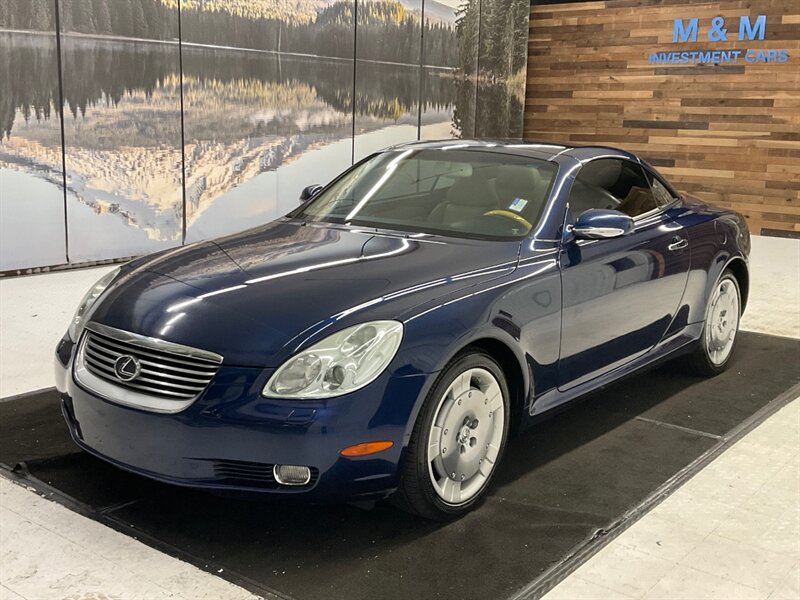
{"x": 508, "y": 214}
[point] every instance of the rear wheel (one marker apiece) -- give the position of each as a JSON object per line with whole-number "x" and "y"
{"x": 723, "y": 313}
{"x": 458, "y": 439}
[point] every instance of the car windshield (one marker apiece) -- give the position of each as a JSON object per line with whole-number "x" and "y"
{"x": 455, "y": 192}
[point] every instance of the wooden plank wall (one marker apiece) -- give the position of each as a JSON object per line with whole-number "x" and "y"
{"x": 728, "y": 133}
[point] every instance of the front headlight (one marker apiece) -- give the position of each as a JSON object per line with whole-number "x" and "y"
{"x": 339, "y": 364}
{"x": 78, "y": 320}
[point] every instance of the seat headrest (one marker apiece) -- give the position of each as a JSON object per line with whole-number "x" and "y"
{"x": 517, "y": 177}
{"x": 486, "y": 170}
{"x": 601, "y": 173}
{"x": 470, "y": 191}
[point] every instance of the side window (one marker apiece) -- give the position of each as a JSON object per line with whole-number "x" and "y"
{"x": 661, "y": 192}
{"x": 612, "y": 183}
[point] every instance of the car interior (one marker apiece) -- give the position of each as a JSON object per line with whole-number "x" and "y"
{"x": 612, "y": 184}
{"x": 488, "y": 189}
{"x": 487, "y": 197}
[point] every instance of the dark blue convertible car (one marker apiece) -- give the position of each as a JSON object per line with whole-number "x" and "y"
{"x": 388, "y": 336}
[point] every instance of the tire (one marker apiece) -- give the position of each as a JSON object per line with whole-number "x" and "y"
{"x": 468, "y": 410}
{"x": 710, "y": 358}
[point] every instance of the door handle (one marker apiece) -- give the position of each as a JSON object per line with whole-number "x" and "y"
{"x": 678, "y": 244}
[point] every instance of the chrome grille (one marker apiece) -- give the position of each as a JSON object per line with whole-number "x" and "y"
{"x": 168, "y": 376}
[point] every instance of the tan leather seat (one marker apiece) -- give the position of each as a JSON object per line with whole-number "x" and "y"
{"x": 515, "y": 182}
{"x": 467, "y": 198}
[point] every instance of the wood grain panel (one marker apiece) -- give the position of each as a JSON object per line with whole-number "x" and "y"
{"x": 727, "y": 133}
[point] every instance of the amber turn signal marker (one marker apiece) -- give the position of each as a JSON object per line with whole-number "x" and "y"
{"x": 366, "y": 448}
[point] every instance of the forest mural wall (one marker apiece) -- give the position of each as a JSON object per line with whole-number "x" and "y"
{"x": 131, "y": 126}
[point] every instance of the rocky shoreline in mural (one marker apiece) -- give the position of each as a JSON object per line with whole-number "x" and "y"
{"x": 139, "y": 184}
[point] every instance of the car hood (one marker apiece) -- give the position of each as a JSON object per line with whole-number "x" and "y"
{"x": 259, "y": 296}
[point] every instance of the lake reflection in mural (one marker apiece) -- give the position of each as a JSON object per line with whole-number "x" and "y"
{"x": 273, "y": 101}
{"x": 32, "y": 229}
{"x": 122, "y": 133}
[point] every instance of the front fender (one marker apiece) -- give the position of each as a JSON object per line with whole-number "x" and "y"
{"x": 521, "y": 311}
{"x": 434, "y": 358}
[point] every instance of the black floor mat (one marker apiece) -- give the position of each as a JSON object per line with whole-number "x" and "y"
{"x": 560, "y": 482}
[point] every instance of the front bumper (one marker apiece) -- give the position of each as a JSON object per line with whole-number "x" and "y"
{"x": 230, "y": 437}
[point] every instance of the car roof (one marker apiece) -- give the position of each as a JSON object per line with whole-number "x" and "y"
{"x": 543, "y": 150}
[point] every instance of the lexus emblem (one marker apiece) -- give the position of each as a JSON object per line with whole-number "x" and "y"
{"x": 127, "y": 367}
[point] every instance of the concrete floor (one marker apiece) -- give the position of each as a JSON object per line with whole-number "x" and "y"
{"x": 35, "y": 311}
{"x": 730, "y": 532}
{"x": 49, "y": 552}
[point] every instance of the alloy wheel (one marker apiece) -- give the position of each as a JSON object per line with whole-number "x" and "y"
{"x": 722, "y": 321}
{"x": 465, "y": 436}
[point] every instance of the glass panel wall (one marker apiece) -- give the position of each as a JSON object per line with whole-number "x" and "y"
{"x": 316, "y": 120}
{"x": 449, "y": 66}
{"x": 32, "y": 230}
{"x": 231, "y": 98}
{"x": 122, "y": 127}
{"x": 265, "y": 85}
{"x": 502, "y": 62}
{"x": 251, "y": 99}
{"x": 387, "y": 79}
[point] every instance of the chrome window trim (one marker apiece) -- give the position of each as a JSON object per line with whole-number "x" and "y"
{"x": 648, "y": 214}
{"x": 656, "y": 211}
{"x": 127, "y": 397}
{"x": 638, "y": 218}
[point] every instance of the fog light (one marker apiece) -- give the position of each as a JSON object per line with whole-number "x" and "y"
{"x": 291, "y": 474}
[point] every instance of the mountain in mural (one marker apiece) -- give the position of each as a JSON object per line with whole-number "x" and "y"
{"x": 441, "y": 11}
{"x": 300, "y": 10}
{"x": 286, "y": 10}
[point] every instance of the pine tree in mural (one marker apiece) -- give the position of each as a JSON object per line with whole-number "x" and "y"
{"x": 467, "y": 34}
{"x": 39, "y": 16}
{"x": 102, "y": 17}
{"x": 121, "y": 18}
{"x": 35, "y": 15}
{"x": 138, "y": 24}
{"x": 387, "y": 29}
{"x": 499, "y": 28}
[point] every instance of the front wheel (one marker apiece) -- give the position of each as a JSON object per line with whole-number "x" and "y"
{"x": 458, "y": 439}
{"x": 723, "y": 313}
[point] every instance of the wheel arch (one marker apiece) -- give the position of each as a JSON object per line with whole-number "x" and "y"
{"x": 725, "y": 261}
{"x": 488, "y": 343}
{"x": 516, "y": 379}
{"x": 738, "y": 267}
{"x": 514, "y": 366}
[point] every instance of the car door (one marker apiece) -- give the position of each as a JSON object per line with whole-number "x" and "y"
{"x": 619, "y": 295}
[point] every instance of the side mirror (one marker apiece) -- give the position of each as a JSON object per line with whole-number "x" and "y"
{"x": 309, "y": 192}
{"x": 601, "y": 224}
